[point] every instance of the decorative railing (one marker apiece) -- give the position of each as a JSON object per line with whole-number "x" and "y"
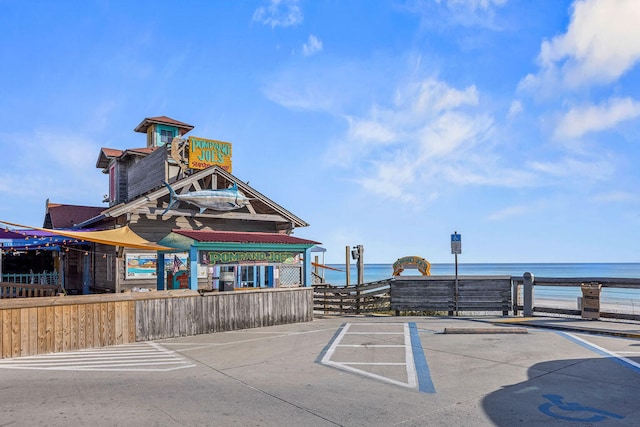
{"x": 45, "y": 278}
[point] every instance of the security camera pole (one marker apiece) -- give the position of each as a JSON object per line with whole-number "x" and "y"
{"x": 456, "y": 248}
{"x": 356, "y": 254}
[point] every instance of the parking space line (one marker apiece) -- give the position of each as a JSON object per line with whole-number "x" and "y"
{"x": 627, "y": 363}
{"x": 417, "y": 371}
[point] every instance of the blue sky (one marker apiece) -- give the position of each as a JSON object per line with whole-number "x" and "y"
{"x": 389, "y": 124}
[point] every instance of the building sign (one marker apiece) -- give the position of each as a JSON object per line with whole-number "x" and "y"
{"x": 143, "y": 266}
{"x": 204, "y": 153}
{"x": 251, "y": 257}
{"x": 413, "y": 262}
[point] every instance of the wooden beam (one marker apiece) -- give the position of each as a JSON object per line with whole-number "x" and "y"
{"x": 223, "y": 215}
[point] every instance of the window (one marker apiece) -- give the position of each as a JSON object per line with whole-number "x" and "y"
{"x": 247, "y": 276}
{"x": 166, "y": 136}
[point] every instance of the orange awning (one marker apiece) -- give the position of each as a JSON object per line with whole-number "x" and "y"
{"x": 123, "y": 236}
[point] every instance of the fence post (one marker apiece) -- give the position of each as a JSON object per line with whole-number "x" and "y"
{"x": 515, "y": 293}
{"x": 528, "y": 294}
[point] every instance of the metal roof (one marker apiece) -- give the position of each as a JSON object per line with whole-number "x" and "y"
{"x": 243, "y": 237}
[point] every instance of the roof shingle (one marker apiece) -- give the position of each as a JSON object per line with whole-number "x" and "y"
{"x": 243, "y": 237}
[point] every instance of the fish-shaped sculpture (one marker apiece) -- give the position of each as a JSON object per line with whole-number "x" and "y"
{"x": 226, "y": 199}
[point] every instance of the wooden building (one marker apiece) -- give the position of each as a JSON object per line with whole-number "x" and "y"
{"x": 168, "y": 192}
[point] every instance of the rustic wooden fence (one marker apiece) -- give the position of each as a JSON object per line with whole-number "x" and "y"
{"x": 30, "y": 326}
{"x": 418, "y": 294}
{"x": 475, "y": 294}
{"x": 367, "y": 298}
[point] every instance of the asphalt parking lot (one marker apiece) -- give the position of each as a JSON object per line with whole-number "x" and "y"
{"x": 346, "y": 371}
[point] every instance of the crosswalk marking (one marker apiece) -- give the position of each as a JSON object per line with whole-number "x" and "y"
{"x": 147, "y": 356}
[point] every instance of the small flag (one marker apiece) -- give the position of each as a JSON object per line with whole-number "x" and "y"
{"x": 176, "y": 264}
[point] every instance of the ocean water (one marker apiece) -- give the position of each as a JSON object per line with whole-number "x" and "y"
{"x": 375, "y": 272}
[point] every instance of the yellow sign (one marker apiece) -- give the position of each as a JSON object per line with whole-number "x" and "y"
{"x": 204, "y": 153}
{"x": 421, "y": 264}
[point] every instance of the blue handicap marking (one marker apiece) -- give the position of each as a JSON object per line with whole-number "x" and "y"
{"x": 555, "y": 406}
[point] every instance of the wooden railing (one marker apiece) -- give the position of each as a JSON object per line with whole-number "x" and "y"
{"x": 624, "y": 310}
{"x": 31, "y": 278}
{"x": 20, "y": 290}
{"x": 417, "y": 294}
{"x": 366, "y": 298}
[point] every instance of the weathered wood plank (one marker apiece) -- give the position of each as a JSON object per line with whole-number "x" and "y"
{"x": 49, "y": 331}
{"x": 74, "y": 329}
{"x": 42, "y": 329}
{"x": 88, "y": 325}
{"x": 118, "y": 339}
{"x": 66, "y": 328}
{"x": 131, "y": 310}
{"x": 25, "y": 331}
{"x": 6, "y": 333}
{"x": 82, "y": 340}
{"x": 16, "y": 340}
{"x": 33, "y": 330}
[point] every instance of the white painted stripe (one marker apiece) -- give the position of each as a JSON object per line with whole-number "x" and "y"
{"x": 151, "y": 357}
{"x": 604, "y": 350}
{"x": 412, "y": 376}
{"x": 373, "y": 364}
{"x": 327, "y": 357}
{"x": 375, "y": 333}
{"x": 368, "y": 374}
{"x": 371, "y": 345}
{"x": 103, "y": 366}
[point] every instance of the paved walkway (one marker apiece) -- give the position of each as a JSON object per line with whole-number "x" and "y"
{"x": 349, "y": 371}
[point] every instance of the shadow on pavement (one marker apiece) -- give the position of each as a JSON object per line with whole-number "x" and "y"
{"x": 598, "y": 391}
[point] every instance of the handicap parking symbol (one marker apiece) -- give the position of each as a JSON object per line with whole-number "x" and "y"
{"x": 573, "y": 411}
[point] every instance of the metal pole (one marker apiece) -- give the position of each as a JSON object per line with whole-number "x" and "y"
{"x": 360, "y": 264}
{"x": 348, "y": 264}
{"x": 456, "y": 286}
{"x": 527, "y": 280}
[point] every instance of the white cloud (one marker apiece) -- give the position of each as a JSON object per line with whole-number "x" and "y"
{"x": 476, "y": 4}
{"x": 616, "y": 196}
{"x": 467, "y": 13}
{"x": 514, "y": 109}
{"x": 312, "y": 46}
{"x": 600, "y": 45}
{"x": 509, "y": 212}
{"x": 431, "y": 136}
{"x": 60, "y": 167}
{"x": 571, "y": 167}
{"x": 279, "y": 13}
{"x": 592, "y": 118}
